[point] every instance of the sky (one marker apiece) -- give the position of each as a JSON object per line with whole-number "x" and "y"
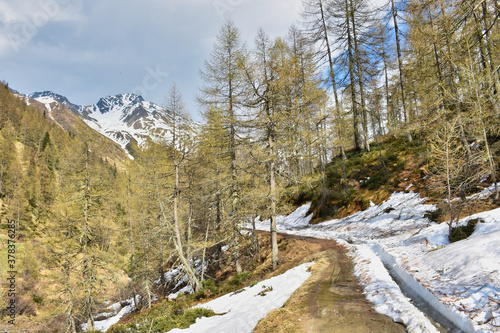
{"x": 88, "y": 49}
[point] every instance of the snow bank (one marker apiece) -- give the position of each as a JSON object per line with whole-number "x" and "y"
{"x": 458, "y": 319}
{"x": 386, "y": 295}
{"x": 297, "y": 219}
{"x": 241, "y": 311}
{"x": 487, "y": 192}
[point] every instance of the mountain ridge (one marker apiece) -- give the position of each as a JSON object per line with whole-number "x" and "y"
{"x": 124, "y": 118}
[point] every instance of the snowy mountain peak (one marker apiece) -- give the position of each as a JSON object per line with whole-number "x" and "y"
{"x": 128, "y": 117}
{"x": 47, "y": 93}
{"x": 46, "y": 97}
{"x": 118, "y": 102}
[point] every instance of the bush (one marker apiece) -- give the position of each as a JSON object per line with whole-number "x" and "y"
{"x": 208, "y": 289}
{"x": 239, "y": 279}
{"x": 333, "y": 176}
{"x": 462, "y": 232}
{"x": 38, "y": 299}
{"x": 435, "y": 215}
{"x": 377, "y": 180}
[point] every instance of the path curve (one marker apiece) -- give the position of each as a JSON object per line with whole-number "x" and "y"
{"x": 331, "y": 300}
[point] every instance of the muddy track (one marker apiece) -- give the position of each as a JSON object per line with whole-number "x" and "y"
{"x": 331, "y": 300}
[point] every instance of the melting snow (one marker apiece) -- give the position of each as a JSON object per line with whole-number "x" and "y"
{"x": 117, "y": 312}
{"x": 464, "y": 276}
{"x": 241, "y": 311}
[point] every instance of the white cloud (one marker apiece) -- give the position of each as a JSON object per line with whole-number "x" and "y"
{"x": 37, "y": 11}
{"x": 23, "y": 20}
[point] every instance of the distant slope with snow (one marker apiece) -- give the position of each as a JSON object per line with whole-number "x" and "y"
{"x": 66, "y": 115}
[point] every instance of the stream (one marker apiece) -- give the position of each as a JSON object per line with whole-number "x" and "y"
{"x": 444, "y": 318}
{"x": 442, "y": 324}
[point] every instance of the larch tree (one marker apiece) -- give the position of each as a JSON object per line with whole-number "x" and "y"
{"x": 151, "y": 184}
{"x": 283, "y": 90}
{"x": 317, "y": 17}
{"x": 397, "y": 35}
{"x": 85, "y": 188}
{"x": 450, "y": 169}
{"x": 350, "y": 20}
{"x": 223, "y": 88}
{"x": 214, "y": 154}
{"x": 261, "y": 77}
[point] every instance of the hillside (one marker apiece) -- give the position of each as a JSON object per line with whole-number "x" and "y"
{"x": 63, "y": 114}
{"x": 48, "y": 156}
{"x": 406, "y": 173}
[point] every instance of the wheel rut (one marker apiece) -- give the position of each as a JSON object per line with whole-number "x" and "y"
{"x": 331, "y": 300}
{"x": 340, "y": 303}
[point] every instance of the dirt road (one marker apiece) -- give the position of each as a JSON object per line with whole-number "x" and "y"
{"x": 331, "y": 300}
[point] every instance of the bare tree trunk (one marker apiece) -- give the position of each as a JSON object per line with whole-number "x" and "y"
{"x": 355, "y": 115}
{"x": 189, "y": 228}
{"x": 255, "y": 241}
{"x": 234, "y": 180}
{"x": 448, "y": 187}
{"x": 177, "y": 229}
{"x": 387, "y": 100}
{"x": 272, "y": 184}
{"x": 493, "y": 68}
{"x": 202, "y": 275}
{"x": 490, "y": 159}
{"x": 178, "y": 238}
{"x": 401, "y": 75}
{"x": 87, "y": 270}
{"x": 366, "y": 139}
{"x": 334, "y": 86}
{"x": 218, "y": 214}
{"x": 484, "y": 132}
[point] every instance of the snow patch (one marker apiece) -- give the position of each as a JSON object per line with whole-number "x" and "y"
{"x": 385, "y": 294}
{"x": 114, "y": 316}
{"x": 240, "y": 312}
